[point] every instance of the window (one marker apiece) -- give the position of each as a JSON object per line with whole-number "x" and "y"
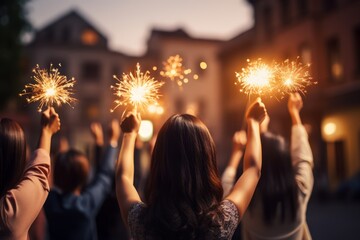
{"x": 90, "y": 109}
{"x": 285, "y": 12}
{"x": 305, "y": 53}
{"x": 89, "y": 37}
{"x": 334, "y": 64}
{"x": 357, "y": 49}
{"x": 91, "y": 71}
{"x": 267, "y": 13}
{"x": 302, "y": 6}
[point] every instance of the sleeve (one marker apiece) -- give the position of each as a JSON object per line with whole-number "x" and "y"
{"x": 21, "y": 205}
{"x": 228, "y": 179}
{"x": 302, "y": 159}
{"x": 231, "y": 219}
{"x": 96, "y": 193}
{"x": 134, "y": 216}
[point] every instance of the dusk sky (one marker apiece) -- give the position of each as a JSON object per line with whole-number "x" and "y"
{"x": 127, "y": 23}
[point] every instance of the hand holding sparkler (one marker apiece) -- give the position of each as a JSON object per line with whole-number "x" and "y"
{"x": 50, "y": 124}
{"x": 256, "y": 112}
{"x": 139, "y": 90}
{"x": 131, "y": 123}
{"x": 295, "y": 104}
{"x": 49, "y": 88}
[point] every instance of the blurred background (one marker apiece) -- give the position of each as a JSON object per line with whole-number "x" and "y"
{"x": 94, "y": 40}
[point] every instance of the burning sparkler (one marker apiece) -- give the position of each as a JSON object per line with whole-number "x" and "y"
{"x": 50, "y": 88}
{"x": 276, "y": 80}
{"x": 257, "y": 78}
{"x": 139, "y": 90}
{"x": 174, "y": 69}
{"x": 293, "y": 76}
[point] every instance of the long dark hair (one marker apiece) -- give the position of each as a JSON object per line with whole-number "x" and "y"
{"x": 183, "y": 191}
{"x": 12, "y": 154}
{"x": 277, "y": 187}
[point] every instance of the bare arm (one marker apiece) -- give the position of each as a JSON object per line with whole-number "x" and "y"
{"x": 50, "y": 124}
{"x": 126, "y": 193}
{"x": 228, "y": 177}
{"x": 245, "y": 186}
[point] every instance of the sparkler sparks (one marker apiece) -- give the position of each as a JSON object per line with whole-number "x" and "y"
{"x": 174, "y": 69}
{"x": 139, "y": 90}
{"x": 49, "y": 88}
{"x": 276, "y": 80}
{"x": 257, "y": 78}
{"x": 293, "y": 76}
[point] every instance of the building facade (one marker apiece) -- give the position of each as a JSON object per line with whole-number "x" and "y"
{"x": 324, "y": 33}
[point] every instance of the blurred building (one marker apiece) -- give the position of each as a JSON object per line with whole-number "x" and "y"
{"x": 83, "y": 53}
{"x": 325, "y": 33}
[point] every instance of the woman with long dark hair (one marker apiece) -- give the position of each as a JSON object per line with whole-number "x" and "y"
{"x": 278, "y": 208}
{"x": 183, "y": 197}
{"x": 24, "y": 185}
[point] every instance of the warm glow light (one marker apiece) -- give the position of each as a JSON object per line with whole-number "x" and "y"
{"x": 154, "y": 68}
{"x": 196, "y": 77}
{"x": 203, "y": 65}
{"x": 50, "y": 92}
{"x": 330, "y": 128}
{"x": 174, "y": 69}
{"x": 146, "y": 130}
{"x": 139, "y": 90}
{"x": 288, "y": 82}
{"x": 50, "y": 88}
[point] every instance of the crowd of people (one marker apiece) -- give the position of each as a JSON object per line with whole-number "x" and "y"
{"x": 262, "y": 194}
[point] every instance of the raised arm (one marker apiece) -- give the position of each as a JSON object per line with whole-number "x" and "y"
{"x": 301, "y": 154}
{"x": 228, "y": 177}
{"x": 22, "y": 204}
{"x": 245, "y": 186}
{"x": 103, "y": 178}
{"x": 126, "y": 193}
{"x": 50, "y": 124}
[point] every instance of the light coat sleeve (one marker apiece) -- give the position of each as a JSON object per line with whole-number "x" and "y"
{"x": 21, "y": 205}
{"x": 302, "y": 159}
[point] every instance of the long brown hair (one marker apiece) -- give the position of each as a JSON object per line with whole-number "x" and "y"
{"x": 184, "y": 190}
{"x": 12, "y": 154}
{"x": 277, "y": 187}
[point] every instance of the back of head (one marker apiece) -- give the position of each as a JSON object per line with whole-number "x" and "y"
{"x": 12, "y": 154}
{"x": 183, "y": 190}
{"x": 277, "y": 186}
{"x": 71, "y": 171}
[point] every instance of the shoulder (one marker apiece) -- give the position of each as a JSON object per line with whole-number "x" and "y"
{"x": 135, "y": 212}
{"x": 229, "y": 210}
{"x": 137, "y": 228}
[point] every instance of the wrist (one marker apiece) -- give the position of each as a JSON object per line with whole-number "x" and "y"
{"x": 46, "y": 132}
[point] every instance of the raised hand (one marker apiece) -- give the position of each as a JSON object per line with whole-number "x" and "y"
{"x": 97, "y": 132}
{"x": 114, "y": 132}
{"x": 256, "y": 111}
{"x": 295, "y": 104}
{"x": 239, "y": 140}
{"x": 50, "y": 121}
{"x": 131, "y": 123}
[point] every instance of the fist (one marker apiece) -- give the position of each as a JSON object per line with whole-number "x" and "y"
{"x": 50, "y": 120}
{"x": 131, "y": 123}
{"x": 256, "y": 111}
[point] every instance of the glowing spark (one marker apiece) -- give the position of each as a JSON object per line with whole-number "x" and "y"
{"x": 139, "y": 90}
{"x": 257, "y": 78}
{"x": 49, "y": 88}
{"x": 293, "y": 76}
{"x": 174, "y": 69}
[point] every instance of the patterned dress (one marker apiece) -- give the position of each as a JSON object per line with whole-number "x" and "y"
{"x": 229, "y": 221}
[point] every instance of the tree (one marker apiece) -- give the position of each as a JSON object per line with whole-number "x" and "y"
{"x": 13, "y": 24}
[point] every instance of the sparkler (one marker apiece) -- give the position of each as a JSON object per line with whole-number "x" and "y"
{"x": 257, "y": 78}
{"x": 293, "y": 76}
{"x": 276, "y": 80}
{"x": 174, "y": 69}
{"x": 139, "y": 90}
{"x": 49, "y": 88}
